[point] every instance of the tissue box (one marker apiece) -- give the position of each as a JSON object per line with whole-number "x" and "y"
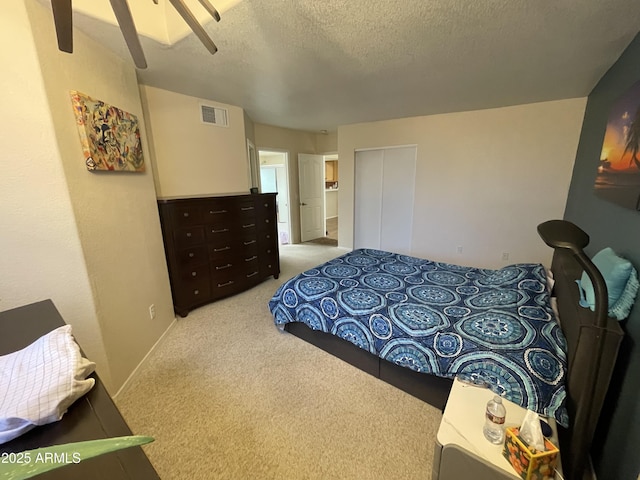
{"x": 528, "y": 462}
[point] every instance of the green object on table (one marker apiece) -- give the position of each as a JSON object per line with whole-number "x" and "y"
{"x": 27, "y": 464}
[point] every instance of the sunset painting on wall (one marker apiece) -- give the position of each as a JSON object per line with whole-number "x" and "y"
{"x": 618, "y": 177}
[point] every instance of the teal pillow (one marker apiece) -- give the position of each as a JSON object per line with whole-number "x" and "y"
{"x": 622, "y": 307}
{"x": 616, "y": 272}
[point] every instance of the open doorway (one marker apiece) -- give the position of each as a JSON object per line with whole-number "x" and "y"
{"x": 274, "y": 178}
{"x": 331, "y": 196}
{"x": 318, "y": 183}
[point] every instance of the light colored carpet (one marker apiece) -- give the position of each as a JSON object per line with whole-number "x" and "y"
{"x": 226, "y": 395}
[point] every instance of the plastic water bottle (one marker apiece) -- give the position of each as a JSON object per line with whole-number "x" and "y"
{"x": 494, "y": 421}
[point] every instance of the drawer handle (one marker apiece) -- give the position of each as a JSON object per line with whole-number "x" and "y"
{"x": 220, "y": 231}
{"x": 266, "y": 204}
{"x": 222, "y": 267}
{"x": 191, "y": 254}
{"x": 196, "y": 292}
{"x": 250, "y": 242}
{"x": 267, "y": 220}
{"x": 268, "y": 236}
{"x": 214, "y": 212}
{"x": 194, "y": 274}
{"x": 230, "y": 282}
{"x": 221, "y": 249}
{"x": 186, "y": 214}
{"x": 249, "y": 225}
{"x": 188, "y": 234}
{"x": 246, "y": 208}
{"x": 250, "y": 258}
{"x": 252, "y": 274}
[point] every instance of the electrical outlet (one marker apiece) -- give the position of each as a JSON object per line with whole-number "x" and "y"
{"x": 505, "y": 256}
{"x": 152, "y": 311}
{"x": 459, "y": 249}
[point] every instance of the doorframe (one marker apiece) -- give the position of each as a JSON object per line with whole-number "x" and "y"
{"x": 253, "y": 159}
{"x": 285, "y": 153}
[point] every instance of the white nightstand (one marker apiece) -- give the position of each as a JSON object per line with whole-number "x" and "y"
{"x": 461, "y": 450}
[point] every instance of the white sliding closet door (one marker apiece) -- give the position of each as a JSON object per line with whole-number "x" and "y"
{"x": 384, "y": 197}
{"x": 368, "y": 199}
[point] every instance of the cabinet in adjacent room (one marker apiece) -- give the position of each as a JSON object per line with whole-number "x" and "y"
{"x": 218, "y": 246}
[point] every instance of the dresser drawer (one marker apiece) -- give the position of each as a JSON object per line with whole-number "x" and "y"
{"x": 249, "y": 242}
{"x": 227, "y": 283}
{"x": 246, "y": 226}
{"x": 191, "y": 293}
{"x": 269, "y": 265}
{"x": 264, "y": 224}
{"x": 224, "y": 251}
{"x": 194, "y": 274}
{"x": 188, "y": 236}
{"x": 215, "y": 211}
{"x": 245, "y": 208}
{"x": 249, "y": 261}
{"x": 192, "y": 256}
{"x": 267, "y": 237}
{"x": 184, "y": 215}
{"x": 219, "y": 233}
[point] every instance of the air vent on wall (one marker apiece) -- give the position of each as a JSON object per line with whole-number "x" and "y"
{"x": 214, "y": 115}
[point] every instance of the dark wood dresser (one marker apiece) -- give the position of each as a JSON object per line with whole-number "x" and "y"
{"x": 218, "y": 246}
{"x": 91, "y": 417}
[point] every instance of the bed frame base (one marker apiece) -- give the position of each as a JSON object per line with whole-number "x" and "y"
{"x": 428, "y": 388}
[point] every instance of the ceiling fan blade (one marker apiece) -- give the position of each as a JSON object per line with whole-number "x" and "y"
{"x": 63, "y": 20}
{"x": 188, "y": 17}
{"x": 211, "y": 9}
{"x": 128, "y": 27}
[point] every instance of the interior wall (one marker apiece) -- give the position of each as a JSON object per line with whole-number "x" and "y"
{"x": 294, "y": 142}
{"x": 191, "y": 157}
{"x": 40, "y": 251}
{"x": 116, "y": 214}
{"x": 610, "y": 225}
{"x": 327, "y": 143}
{"x": 484, "y": 179}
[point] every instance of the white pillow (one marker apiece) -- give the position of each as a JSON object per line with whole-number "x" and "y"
{"x": 39, "y": 382}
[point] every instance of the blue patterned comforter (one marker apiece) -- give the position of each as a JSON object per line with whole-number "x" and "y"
{"x": 496, "y": 326}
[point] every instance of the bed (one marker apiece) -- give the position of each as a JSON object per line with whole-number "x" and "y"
{"x": 416, "y": 324}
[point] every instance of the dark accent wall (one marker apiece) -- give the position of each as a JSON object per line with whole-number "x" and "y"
{"x": 614, "y": 451}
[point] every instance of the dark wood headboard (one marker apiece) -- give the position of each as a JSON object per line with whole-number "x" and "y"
{"x": 593, "y": 341}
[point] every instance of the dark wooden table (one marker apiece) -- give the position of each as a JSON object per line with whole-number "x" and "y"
{"x": 91, "y": 417}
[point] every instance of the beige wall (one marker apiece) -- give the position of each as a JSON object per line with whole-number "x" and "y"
{"x": 293, "y": 142}
{"x": 327, "y": 143}
{"x": 193, "y": 158}
{"x": 484, "y": 179}
{"x": 40, "y": 252}
{"x": 115, "y": 213}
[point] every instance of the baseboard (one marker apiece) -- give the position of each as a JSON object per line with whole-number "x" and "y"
{"x": 144, "y": 359}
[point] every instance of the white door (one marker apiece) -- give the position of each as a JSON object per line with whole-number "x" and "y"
{"x": 384, "y": 198}
{"x": 368, "y": 199}
{"x": 311, "y": 176}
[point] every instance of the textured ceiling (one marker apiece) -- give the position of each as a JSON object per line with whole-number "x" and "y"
{"x": 316, "y": 64}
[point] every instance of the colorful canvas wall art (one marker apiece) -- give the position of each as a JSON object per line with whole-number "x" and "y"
{"x": 110, "y": 137}
{"x": 618, "y": 176}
